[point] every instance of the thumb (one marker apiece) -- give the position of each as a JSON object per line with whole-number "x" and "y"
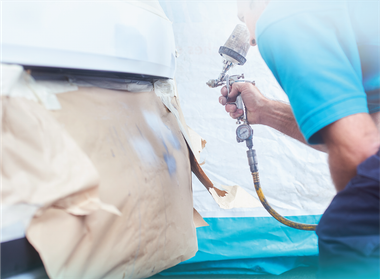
{"x": 237, "y": 88}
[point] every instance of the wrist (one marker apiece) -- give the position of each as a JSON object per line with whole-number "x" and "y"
{"x": 263, "y": 112}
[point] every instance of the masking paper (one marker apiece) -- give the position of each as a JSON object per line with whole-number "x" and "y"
{"x": 142, "y": 159}
{"x": 43, "y": 163}
{"x": 42, "y": 167}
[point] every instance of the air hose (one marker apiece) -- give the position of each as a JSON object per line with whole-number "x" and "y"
{"x": 234, "y": 51}
{"x": 252, "y": 160}
{"x": 278, "y": 217}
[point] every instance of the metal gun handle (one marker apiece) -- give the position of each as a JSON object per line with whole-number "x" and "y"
{"x": 239, "y": 102}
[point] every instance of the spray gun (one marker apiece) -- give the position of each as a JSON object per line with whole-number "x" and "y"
{"x": 234, "y": 51}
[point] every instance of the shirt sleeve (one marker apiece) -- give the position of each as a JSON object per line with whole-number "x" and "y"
{"x": 314, "y": 57}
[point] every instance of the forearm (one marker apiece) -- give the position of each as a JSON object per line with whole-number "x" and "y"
{"x": 376, "y": 119}
{"x": 350, "y": 141}
{"x": 279, "y": 116}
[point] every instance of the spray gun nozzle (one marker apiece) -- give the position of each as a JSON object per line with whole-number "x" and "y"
{"x": 211, "y": 83}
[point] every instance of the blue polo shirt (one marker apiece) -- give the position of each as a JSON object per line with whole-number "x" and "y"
{"x": 325, "y": 56}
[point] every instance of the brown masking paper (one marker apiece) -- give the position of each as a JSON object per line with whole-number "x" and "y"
{"x": 142, "y": 160}
{"x": 198, "y": 220}
{"x": 41, "y": 164}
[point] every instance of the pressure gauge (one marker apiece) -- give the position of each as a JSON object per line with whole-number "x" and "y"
{"x": 243, "y": 132}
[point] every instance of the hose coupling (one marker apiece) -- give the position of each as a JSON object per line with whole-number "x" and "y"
{"x": 252, "y": 160}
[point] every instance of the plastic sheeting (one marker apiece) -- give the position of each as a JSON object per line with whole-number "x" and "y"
{"x": 294, "y": 177}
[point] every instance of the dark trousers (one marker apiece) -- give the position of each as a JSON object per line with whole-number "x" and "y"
{"x": 348, "y": 232}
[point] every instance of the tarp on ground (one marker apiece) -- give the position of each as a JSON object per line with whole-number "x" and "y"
{"x": 294, "y": 177}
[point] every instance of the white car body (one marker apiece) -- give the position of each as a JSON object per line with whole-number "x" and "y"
{"x": 115, "y": 36}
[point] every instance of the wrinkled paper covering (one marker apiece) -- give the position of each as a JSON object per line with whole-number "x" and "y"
{"x": 141, "y": 157}
{"x": 42, "y": 165}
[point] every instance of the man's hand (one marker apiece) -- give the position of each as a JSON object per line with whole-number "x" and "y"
{"x": 350, "y": 141}
{"x": 254, "y": 101}
{"x": 261, "y": 110}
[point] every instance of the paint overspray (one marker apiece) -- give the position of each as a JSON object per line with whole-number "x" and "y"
{"x": 163, "y": 133}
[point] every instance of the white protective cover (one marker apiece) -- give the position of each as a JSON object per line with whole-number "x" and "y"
{"x": 294, "y": 177}
{"x": 117, "y": 36}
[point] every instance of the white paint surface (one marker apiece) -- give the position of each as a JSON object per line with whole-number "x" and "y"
{"x": 117, "y": 36}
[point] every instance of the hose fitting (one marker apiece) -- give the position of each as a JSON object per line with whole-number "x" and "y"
{"x": 252, "y": 160}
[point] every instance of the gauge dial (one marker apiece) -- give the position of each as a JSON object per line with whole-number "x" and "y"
{"x": 244, "y": 132}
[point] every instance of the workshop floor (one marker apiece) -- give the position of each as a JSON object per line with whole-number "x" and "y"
{"x": 298, "y": 273}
